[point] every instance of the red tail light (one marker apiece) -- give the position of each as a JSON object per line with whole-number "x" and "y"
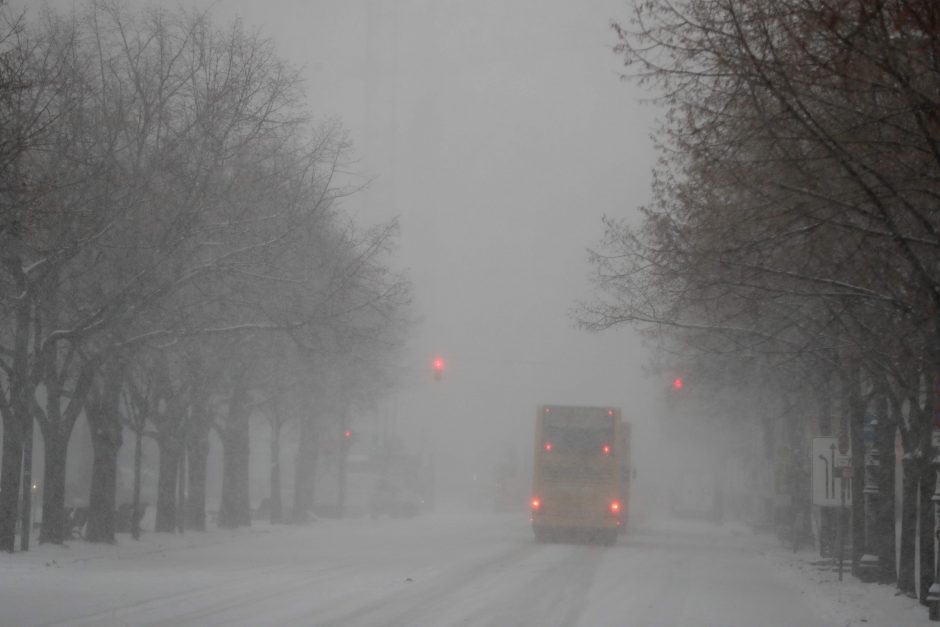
{"x": 536, "y": 505}
{"x": 615, "y": 507}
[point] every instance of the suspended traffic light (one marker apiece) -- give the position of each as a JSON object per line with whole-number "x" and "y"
{"x": 677, "y": 384}
{"x": 438, "y": 368}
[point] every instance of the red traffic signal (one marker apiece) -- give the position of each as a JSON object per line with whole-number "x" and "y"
{"x": 438, "y": 366}
{"x": 677, "y": 383}
{"x": 347, "y": 434}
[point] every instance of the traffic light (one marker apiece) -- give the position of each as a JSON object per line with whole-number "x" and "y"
{"x": 438, "y": 366}
{"x": 677, "y": 384}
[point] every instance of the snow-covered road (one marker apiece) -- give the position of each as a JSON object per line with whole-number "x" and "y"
{"x": 441, "y": 569}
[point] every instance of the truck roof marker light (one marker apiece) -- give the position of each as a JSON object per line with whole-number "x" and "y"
{"x": 548, "y": 447}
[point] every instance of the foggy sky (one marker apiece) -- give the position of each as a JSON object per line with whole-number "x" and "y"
{"x": 499, "y": 133}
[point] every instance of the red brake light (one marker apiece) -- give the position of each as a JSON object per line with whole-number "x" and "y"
{"x": 548, "y": 447}
{"x": 615, "y": 507}
{"x": 536, "y": 505}
{"x": 606, "y": 449}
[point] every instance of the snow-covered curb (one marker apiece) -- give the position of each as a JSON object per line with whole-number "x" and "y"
{"x": 852, "y": 600}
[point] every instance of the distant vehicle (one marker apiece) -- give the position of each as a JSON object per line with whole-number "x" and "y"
{"x": 395, "y": 501}
{"x": 581, "y": 473}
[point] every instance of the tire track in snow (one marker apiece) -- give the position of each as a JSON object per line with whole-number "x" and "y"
{"x": 529, "y": 583}
{"x": 401, "y": 606}
{"x": 225, "y": 593}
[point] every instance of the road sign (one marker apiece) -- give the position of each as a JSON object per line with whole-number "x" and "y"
{"x": 828, "y": 465}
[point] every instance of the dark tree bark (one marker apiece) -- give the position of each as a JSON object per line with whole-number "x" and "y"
{"x": 17, "y": 419}
{"x": 54, "y": 528}
{"x": 181, "y": 492}
{"x": 106, "y": 442}
{"x": 926, "y": 490}
{"x": 883, "y": 515}
{"x": 26, "y": 514}
{"x": 906, "y": 564}
{"x": 10, "y": 477}
{"x": 235, "y": 508}
{"x": 56, "y": 425}
{"x": 138, "y": 459}
{"x": 277, "y": 507}
{"x": 855, "y": 406}
{"x": 305, "y": 469}
{"x": 197, "y": 453}
{"x": 170, "y": 450}
{"x": 104, "y": 419}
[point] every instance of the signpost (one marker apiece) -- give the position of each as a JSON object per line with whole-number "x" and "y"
{"x": 832, "y": 481}
{"x": 829, "y": 467}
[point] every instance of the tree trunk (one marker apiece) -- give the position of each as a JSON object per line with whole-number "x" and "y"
{"x": 16, "y": 419}
{"x": 277, "y": 511}
{"x": 26, "y": 513}
{"x": 926, "y": 484}
{"x": 305, "y": 470}
{"x": 181, "y": 492}
{"x": 166, "y": 485}
{"x": 106, "y": 442}
{"x": 10, "y": 477}
{"x": 906, "y": 564}
{"x": 55, "y": 523}
{"x": 138, "y": 458}
{"x": 235, "y": 508}
{"x": 104, "y": 418}
{"x": 197, "y": 453}
{"x": 882, "y": 530}
{"x": 341, "y": 479}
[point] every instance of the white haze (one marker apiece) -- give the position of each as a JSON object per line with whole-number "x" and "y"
{"x": 499, "y": 133}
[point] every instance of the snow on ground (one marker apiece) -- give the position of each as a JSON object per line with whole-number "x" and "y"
{"x": 446, "y": 568}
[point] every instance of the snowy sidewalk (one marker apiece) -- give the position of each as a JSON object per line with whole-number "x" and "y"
{"x": 860, "y": 603}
